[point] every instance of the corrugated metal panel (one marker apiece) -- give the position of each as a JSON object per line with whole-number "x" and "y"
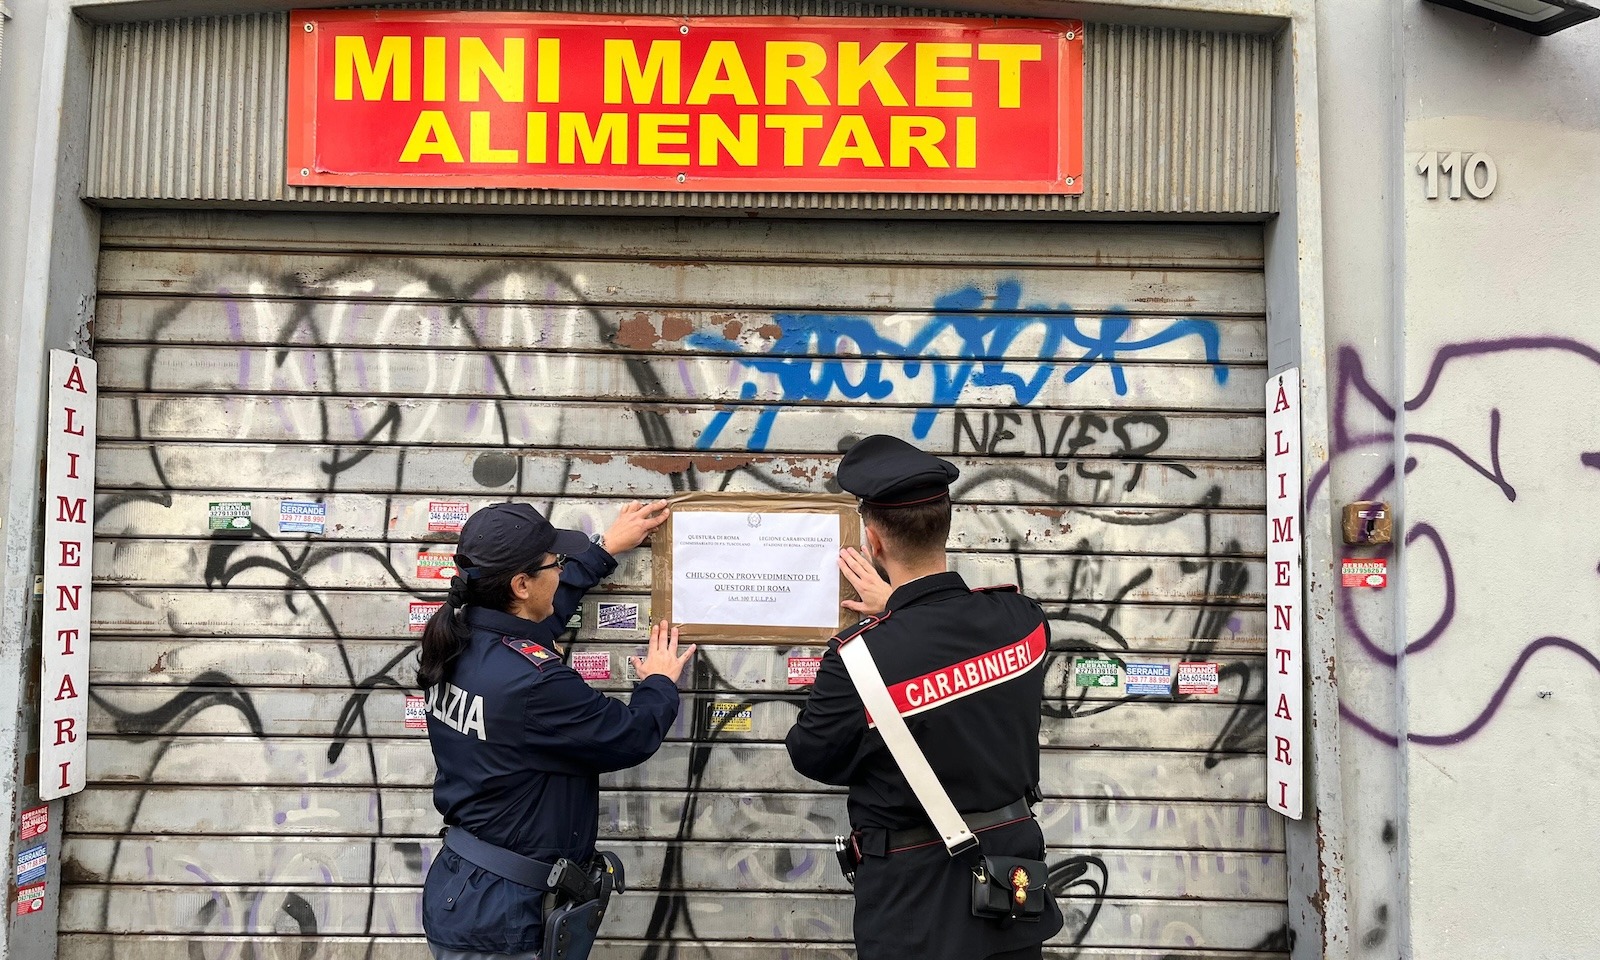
{"x": 252, "y": 779}
{"x": 1177, "y": 122}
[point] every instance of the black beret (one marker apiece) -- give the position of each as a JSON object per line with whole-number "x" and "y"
{"x": 506, "y": 536}
{"x": 888, "y": 472}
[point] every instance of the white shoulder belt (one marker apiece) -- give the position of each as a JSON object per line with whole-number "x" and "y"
{"x": 913, "y": 764}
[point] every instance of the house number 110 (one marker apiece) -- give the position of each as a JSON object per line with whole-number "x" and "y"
{"x": 1477, "y": 173}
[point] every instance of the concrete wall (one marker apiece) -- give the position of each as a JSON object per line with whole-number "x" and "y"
{"x": 1465, "y": 355}
{"x": 47, "y": 242}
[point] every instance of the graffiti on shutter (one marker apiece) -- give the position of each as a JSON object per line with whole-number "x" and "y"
{"x": 252, "y": 775}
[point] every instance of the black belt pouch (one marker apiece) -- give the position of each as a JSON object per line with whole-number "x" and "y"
{"x": 1009, "y": 888}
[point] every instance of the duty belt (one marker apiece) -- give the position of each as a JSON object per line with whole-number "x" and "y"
{"x": 922, "y": 836}
{"x": 498, "y": 860}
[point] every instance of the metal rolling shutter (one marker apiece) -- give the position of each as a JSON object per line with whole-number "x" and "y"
{"x": 251, "y": 775}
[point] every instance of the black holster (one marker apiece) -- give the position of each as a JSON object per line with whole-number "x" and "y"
{"x": 577, "y": 902}
{"x": 848, "y": 850}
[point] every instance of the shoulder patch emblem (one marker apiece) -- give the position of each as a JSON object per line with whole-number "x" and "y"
{"x": 535, "y": 653}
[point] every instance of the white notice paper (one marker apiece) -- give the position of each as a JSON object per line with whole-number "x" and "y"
{"x": 766, "y": 569}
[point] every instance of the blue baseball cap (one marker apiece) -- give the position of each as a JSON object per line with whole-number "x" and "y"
{"x": 509, "y": 536}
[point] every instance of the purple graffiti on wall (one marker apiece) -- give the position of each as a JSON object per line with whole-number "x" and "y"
{"x": 1351, "y": 384}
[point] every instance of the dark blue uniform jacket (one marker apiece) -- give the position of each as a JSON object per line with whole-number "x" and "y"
{"x": 520, "y": 741}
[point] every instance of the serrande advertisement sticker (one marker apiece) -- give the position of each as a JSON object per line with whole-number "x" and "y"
{"x": 1366, "y": 572}
{"x": 416, "y": 712}
{"x": 592, "y": 665}
{"x": 1198, "y": 679}
{"x": 229, "y": 515}
{"x": 803, "y": 670}
{"x": 731, "y": 717}
{"x": 1094, "y": 672}
{"x": 419, "y": 615}
{"x": 302, "y": 516}
{"x": 447, "y": 516}
{"x": 29, "y": 900}
{"x": 617, "y": 616}
{"x": 32, "y": 864}
{"x": 435, "y": 566}
{"x": 35, "y": 823}
{"x": 1149, "y": 679}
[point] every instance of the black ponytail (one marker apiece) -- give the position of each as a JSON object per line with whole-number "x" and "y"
{"x": 447, "y": 632}
{"x": 445, "y": 636}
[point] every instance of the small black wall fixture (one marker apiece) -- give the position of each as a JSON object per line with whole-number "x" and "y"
{"x": 1538, "y": 17}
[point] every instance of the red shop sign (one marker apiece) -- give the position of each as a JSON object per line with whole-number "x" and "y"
{"x": 442, "y": 99}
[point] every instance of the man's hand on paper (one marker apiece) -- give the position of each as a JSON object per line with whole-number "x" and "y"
{"x": 873, "y": 589}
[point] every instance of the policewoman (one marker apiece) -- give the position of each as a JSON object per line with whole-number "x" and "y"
{"x": 965, "y": 668}
{"x": 518, "y": 738}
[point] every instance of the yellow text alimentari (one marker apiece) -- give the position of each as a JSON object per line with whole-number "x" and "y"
{"x": 707, "y": 107}
{"x": 681, "y": 139}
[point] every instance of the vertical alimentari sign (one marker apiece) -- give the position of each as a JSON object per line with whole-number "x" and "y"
{"x": 470, "y": 99}
{"x": 1285, "y": 644}
{"x": 68, "y": 546}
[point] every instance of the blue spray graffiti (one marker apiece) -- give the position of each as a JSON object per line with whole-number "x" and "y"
{"x": 805, "y": 359}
